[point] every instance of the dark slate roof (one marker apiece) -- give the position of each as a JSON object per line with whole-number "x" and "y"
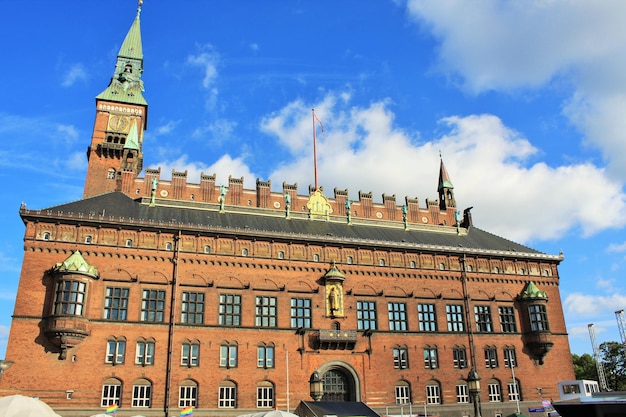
{"x": 336, "y": 408}
{"x": 116, "y": 207}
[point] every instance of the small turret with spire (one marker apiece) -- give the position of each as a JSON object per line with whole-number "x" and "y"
{"x": 445, "y": 188}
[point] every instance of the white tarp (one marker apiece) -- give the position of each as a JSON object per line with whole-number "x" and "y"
{"x": 21, "y": 406}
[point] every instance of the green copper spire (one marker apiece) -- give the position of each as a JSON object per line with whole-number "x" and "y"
{"x": 132, "y": 141}
{"x": 76, "y": 264}
{"x": 532, "y": 292}
{"x": 126, "y": 85}
{"x": 444, "y": 178}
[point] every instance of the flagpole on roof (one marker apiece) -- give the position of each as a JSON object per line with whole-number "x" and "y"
{"x": 315, "y": 118}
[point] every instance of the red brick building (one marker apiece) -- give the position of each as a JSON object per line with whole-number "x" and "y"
{"x": 156, "y": 295}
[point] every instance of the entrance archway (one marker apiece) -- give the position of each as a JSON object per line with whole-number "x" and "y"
{"x": 340, "y": 382}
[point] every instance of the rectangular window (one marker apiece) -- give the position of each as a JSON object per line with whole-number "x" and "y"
{"x": 482, "y": 316}
{"x": 459, "y": 358}
{"x": 141, "y": 395}
{"x": 192, "y": 308}
{"x": 430, "y": 358}
{"x": 265, "y": 311}
{"x": 538, "y": 318}
{"x": 144, "y": 353}
{"x": 116, "y": 303}
{"x": 491, "y": 357}
{"x": 513, "y": 391}
{"x": 397, "y": 316}
{"x": 190, "y": 354}
{"x": 494, "y": 393}
{"x": 230, "y": 310}
{"x": 153, "y": 306}
{"x": 265, "y": 356}
{"x": 70, "y": 298}
{"x": 462, "y": 394}
{"x": 509, "y": 358}
{"x": 265, "y": 397}
{"x": 366, "y": 315}
{"x": 454, "y": 316}
{"x": 507, "y": 319}
{"x": 301, "y": 313}
{"x": 400, "y": 358}
{"x": 188, "y": 396}
{"x": 433, "y": 394}
{"x": 227, "y": 397}
{"x": 228, "y": 356}
{"x": 111, "y": 394}
{"x": 427, "y": 317}
{"x": 403, "y": 395}
{"x": 116, "y": 349}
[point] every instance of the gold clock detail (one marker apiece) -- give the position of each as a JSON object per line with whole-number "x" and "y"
{"x": 119, "y": 123}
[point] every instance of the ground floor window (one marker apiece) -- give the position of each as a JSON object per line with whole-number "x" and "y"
{"x": 142, "y": 393}
{"x": 265, "y": 396}
{"x": 227, "y": 396}
{"x": 462, "y": 395}
{"x": 188, "y": 394}
{"x": 403, "y": 393}
{"x": 111, "y": 393}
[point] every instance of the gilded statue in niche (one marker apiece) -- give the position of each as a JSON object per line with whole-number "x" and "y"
{"x": 334, "y": 299}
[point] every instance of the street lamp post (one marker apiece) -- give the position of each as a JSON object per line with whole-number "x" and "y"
{"x": 473, "y": 382}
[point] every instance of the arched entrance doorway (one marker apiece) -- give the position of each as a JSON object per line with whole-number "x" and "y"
{"x": 340, "y": 382}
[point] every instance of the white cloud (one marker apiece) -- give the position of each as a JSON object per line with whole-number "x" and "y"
{"x": 208, "y": 60}
{"x": 590, "y": 304}
{"x": 505, "y": 46}
{"x": 75, "y": 73}
{"x": 514, "y": 195}
{"x": 615, "y": 247}
{"x": 224, "y": 167}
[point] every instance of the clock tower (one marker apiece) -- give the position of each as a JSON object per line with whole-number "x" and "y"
{"x": 115, "y": 151}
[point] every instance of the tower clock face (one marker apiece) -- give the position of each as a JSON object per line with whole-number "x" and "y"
{"x": 119, "y": 123}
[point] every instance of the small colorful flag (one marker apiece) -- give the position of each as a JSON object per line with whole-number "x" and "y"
{"x": 112, "y": 409}
{"x": 186, "y": 412}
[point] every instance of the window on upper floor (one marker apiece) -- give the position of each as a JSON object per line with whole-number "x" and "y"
{"x": 230, "y": 310}
{"x": 110, "y": 174}
{"x": 144, "y": 352}
{"x": 88, "y": 239}
{"x": 301, "y": 313}
{"x": 115, "y": 351}
{"x": 427, "y": 317}
{"x": 366, "y": 315}
{"x": 507, "y": 319}
{"x": 538, "y": 318}
{"x": 430, "y": 358}
{"x": 228, "y": 355}
{"x": 454, "y": 317}
{"x": 397, "y": 316}
{"x": 192, "y": 308}
{"x": 153, "y": 306}
{"x": 491, "y": 357}
{"x": 69, "y": 298}
{"x": 459, "y": 357}
{"x": 400, "y": 357}
{"x": 190, "y": 354}
{"x": 116, "y": 303}
{"x": 265, "y": 311}
{"x": 510, "y": 358}
{"x": 482, "y": 316}
{"x": 265, "y": 356}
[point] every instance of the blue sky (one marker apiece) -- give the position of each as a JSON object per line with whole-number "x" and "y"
{"x": 524, "y": 100}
